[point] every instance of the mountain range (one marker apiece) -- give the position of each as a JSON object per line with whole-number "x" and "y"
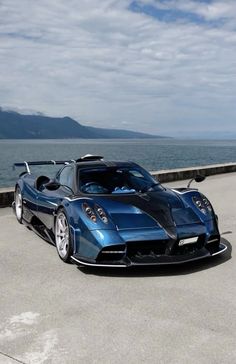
{"x": 14, "y": 125}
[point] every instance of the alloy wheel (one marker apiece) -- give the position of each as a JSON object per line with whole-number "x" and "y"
{"x": 18, "y": 204}
{"x": 62, "y": 235}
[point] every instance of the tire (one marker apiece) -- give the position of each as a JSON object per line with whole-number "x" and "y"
{"x": 18, "y": 204}
{"x": 63, "y": 237}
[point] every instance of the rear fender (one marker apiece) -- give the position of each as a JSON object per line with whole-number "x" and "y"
{"x": 28, "y": 198}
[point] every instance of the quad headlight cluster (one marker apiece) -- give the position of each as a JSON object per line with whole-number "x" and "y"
{"x": 94, "y": 213}
{"x": 203, "y": 204}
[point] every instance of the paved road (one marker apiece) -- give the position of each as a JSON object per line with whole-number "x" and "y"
{"x": 51, "y": 312}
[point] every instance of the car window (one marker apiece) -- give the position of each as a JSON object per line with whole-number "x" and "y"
{"x": 136, "y": 173}
{"x": 112, "y": 180}
{"x": 66, "y": 176}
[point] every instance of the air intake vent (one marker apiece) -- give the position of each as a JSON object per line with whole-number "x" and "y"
{"x": 89, "y": 157}
{"x": 112, "y": 253}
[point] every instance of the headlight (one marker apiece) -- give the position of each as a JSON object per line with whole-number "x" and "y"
{"x": 89, "y": 212}
{"x": 101, "y": 213}
{"x": 92, "y": 213}
{"x": 202, "y": 204}
{"x": 207, "y": 203}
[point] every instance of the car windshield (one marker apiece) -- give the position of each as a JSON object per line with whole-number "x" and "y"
{"x": 116, "y": 180}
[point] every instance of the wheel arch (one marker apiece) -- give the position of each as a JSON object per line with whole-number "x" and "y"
{"x": 19, "y": 183}
{"x": 66, "y": 208}
{"x": 61, "y": 208}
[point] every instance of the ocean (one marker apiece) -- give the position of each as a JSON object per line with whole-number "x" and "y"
{"x": 152, "y": 154}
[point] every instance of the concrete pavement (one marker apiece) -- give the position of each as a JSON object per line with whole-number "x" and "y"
{"x": 51, "y": 312}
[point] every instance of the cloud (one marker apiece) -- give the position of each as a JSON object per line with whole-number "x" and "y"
{"x": 103, "y": 63}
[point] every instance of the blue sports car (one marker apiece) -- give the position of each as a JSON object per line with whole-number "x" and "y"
{"x": 115, "y": 214}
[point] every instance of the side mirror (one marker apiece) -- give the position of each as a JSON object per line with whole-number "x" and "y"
{"x": 198, "y": 178}
{"x": 52, "y": 185}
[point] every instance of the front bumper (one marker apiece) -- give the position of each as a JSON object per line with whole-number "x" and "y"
{"x": 153, "y": 259}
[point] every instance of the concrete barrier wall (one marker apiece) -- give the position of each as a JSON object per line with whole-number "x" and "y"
{"x": 7, "y": 194}
{"x": 188, "y": 173}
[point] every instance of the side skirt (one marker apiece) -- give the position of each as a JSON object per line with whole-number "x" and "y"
{"x": 41, "y": 231}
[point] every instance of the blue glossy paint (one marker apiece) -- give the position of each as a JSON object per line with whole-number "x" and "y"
{"x": 157, "y": 216}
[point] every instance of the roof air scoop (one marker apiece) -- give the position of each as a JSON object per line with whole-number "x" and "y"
{"x": 90, "y": 157}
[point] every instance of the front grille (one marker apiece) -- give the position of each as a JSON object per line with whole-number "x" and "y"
{"x": 151, "y": 252}
{"x": 140, "y": 249}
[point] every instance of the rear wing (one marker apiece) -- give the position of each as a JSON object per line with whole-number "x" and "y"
{"x": 87, "y": 157}
{"x": 40, "y": 163}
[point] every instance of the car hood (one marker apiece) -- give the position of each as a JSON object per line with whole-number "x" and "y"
{"x": 163, "y": 208}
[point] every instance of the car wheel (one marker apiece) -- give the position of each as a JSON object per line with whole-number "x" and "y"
{"x": 63, "y": 237}
{"x": 18, "y": 204}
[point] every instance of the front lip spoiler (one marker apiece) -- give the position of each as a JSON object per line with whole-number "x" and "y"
{"x": 222, "y": 249}
{"x": 98, "y": 265}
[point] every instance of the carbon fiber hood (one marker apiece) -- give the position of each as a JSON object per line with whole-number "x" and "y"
{"x": 163, "y": 206}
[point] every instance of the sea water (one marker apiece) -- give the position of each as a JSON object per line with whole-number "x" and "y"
{"x": 153, "y": 154}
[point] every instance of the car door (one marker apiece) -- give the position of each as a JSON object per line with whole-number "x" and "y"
{"x": 48, "y": 200}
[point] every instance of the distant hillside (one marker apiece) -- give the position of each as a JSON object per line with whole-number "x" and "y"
{"x": 17, "y": 126}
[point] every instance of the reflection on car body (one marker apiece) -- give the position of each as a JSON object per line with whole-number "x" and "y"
{"x": 108, "y": 213}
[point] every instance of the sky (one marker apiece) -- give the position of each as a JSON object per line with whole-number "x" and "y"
{"x": 159, "y": 66}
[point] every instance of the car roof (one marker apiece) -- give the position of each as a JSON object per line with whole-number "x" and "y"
{"x": 104, "y": 163}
